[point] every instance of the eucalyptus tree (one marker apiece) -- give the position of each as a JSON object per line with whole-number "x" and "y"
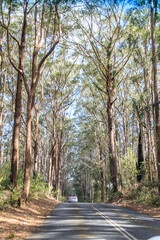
{"x": 96, "y": 108}
{"x": 132, "y": 88}
{"x": 154, "y": 76}
{"x": 91, "y": 140}
{"x": 68, "y": 154}
{"x": 7, "y": 98}
{"x": 3, "y": 73}
{"x": 37, "y": 63}
{"x": 147, "y": 57}
{"x": 85, "y": 156}
{"x": 37, "y": 108}
{"x": 59, "y": 94}
{"x": 38, "y": 60}
{"x": 20, "y": 43}
{"x": 101, "y": 31}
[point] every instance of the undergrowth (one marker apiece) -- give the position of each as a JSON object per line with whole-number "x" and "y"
{"x": 10, "y": 196}
{"x": 147, "y": 195}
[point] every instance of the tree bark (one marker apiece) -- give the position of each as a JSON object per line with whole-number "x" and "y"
{"x": 49, "y": 174}
{"x": 59, "y": 167}
{"x": 27, "y": 172}
{"x": 18, "y": 103}
{"x": 111, "y": 144}
{"x": 101, "y": 171}
{"x": 54, "y": 144}
{"x": 149, "y": 147}
{"x": 2, "y": 91}
{"x": 36, "y": 139}
{"x": 140, "y": 158}
{"x": 1, "y": 120}
{"x": 54, "y": 166}
{"x": 53, "y": 159}
{"x": 148, "y": 118}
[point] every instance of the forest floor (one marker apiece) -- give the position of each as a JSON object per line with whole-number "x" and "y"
{"x": 19, "y": 223}
{"x": 143, "y": 208}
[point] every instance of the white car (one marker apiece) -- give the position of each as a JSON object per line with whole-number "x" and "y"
{"x": 73, "y": 198}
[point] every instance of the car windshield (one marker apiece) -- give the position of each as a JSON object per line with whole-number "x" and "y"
{"x": 73, "y": 195}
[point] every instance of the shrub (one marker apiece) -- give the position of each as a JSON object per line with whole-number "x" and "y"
{"x": 147, "y": 195}
{"x": 5, "y": 173}
{"x": 10, "y": 236}
{"x": 5, "y": 203}
{"x": 38, "y": 187}
{"x": 15, "y": 196}
{"x": 63, "y": 199}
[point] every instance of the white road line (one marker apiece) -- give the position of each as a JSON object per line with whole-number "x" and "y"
{"x": 126, "y": 234}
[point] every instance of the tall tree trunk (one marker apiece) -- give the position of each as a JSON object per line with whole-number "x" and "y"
{"x": 54, "y": 144}
{"x": 148, "y": 117}
{"x": 149, "y": 147}
{"x": 156, "y": 103}
{"x": 30, "y": 109}
{"x": 59, "y": 167}
{"x": 54, "y": 166}
{"x": 101, "y": 171}
{"x": 16, "y": 131}
{"x": 111, "y": 144}
{"x": 54, "y": 157}
{"x": 36, "y": 139}
{"x": 1, "y": 61}
{"x": 18, "y": 103}
{"x": 64, "y": 178}
{"x": 84, "y": 186}
{"x": 50, "y": 174}
{"x": 1, "y": 119}
{"x": 31, "y": 90}
{"x": 28, "y": 158}
{"x": 30, "y": 105}
{"x": 2, "y": 92}
{"x": 140, "y": 158}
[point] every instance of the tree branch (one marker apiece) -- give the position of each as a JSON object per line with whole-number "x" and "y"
{"x": 33, "y": 6}
{"x": 39, "y": 45}
{"x": 6, "y": 28}
{"x": 121, "y": 67}
{"x": 51, "y": 49}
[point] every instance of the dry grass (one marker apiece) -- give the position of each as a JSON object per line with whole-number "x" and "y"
{"x": 19, "y": 223}
{"x": 146, "y": 209}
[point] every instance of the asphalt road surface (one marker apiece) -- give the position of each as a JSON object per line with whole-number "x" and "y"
{"x": 72, "y": 221}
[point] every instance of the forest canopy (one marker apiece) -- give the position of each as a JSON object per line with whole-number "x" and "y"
{"x": 79, "y": 98}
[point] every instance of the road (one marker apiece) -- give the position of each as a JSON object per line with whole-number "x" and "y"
{"x": 72, "y": 221}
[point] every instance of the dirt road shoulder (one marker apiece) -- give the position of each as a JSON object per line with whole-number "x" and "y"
{"x": 19, "y": 223}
